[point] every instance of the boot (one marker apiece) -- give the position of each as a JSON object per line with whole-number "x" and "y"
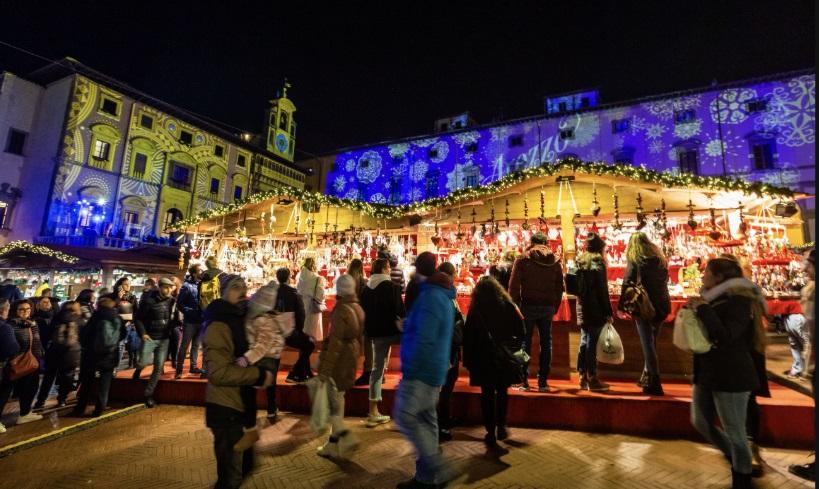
{"x": 653, "y": 387}
{"x": 756, "y": 460}
{"x": 584, "y": 381}
{"x": 364, "y": 379}
{"x": 596, "y": 385}
{"x": 740, "y": 481}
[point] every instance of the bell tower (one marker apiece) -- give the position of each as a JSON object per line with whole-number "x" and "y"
{"x": 281, "y": 128}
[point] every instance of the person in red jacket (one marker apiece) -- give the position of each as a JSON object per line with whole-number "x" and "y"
{"x": 536, "y": 285}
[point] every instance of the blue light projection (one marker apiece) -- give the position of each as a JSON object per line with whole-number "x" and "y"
{"x": 719, "y": 128}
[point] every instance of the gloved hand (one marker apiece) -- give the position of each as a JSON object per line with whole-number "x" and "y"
{"x": 242, "y": 362}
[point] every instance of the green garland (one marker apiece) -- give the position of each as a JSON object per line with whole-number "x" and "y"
{"x": 38, "y": 249}
{"x": 385, "y": 211}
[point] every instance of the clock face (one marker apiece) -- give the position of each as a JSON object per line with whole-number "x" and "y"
{"x": 281, "y": 143}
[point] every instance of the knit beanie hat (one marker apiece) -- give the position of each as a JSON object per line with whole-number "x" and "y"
{"x": 228, "y": 280}
{"x": 346, "y": 285}
{"x": 539, "y": 239}
{"x": 425, "y": 263}
{"x": 594, "y": 244}
{"x": 264, "y": 300}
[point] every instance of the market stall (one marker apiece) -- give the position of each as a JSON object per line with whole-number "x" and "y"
{"x": 692, "y": 218}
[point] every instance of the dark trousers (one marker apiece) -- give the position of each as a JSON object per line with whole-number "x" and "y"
{"x": 248, "y": 393}
{"x": 87, "y": 381}
{"x": 305, "y": 345}
{"x": 752, "y": 420}
{"x": 65, "y": 379}
{"x": 231, "y": 466}
{"x": 26, "y": 390}
{"x": 494, "y": 401}
{"x": 444, "y": 418}
{"x": 539, "y": 317}
{"x": 190, "y": 338}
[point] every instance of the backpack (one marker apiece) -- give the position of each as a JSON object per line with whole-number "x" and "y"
{"x": 107, "y": 338}
{"x": 209, "y": 291}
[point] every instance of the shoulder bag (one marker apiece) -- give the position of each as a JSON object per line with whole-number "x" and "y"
{"x": 635, "y": 300}
{"x": 25, "y": 363}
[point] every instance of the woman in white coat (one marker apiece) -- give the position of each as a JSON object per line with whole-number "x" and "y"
{"x": 310, "y": 287}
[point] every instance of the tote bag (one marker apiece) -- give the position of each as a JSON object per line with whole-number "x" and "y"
{"x": 609, "y": 346}
{"x": 689, "y": 332}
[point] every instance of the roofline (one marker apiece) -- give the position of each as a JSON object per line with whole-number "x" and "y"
{"x": 571, "y": 92}
{"x": 612, "y": 105}
{"x": 78, "y": 68}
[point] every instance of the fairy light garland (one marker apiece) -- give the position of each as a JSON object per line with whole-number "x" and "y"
{"x": 38, "y": 249}
{"x": 386, "y": 211}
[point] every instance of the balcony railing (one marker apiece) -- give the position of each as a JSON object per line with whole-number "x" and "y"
{"x": 106, "y": 242}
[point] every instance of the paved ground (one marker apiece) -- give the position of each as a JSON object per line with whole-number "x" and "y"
{"x": 169, "y": 447}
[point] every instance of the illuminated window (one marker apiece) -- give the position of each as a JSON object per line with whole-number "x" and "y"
{"x": 685, "y": 116}
{"x": 146, "y": 121}
{"x": 140, "y": 164}
{"x": 109, "y": 106}
{"x": 16, "y": 142}
{"x": 241, "y": 161}
{"x": 689, "y": 160}
{"x": 102, "y": 150}
{"x": 214, "y": 185}
{"x": 219, "y": 151}
{"x": 471, "y": 177}
{"x": 186, "y": 138}
{"x": 179, "y": 176}
{"x": 620, "y": 125}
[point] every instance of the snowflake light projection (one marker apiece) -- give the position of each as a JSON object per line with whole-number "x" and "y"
{"x": 656, "y": 147}
{"x": 398, "y": 150}
{"x": 369, "y": 167}
{"x": 416, "y": 195}
{"x": 665, "y": 109}
{"x": 791, "y": 113}
{"x": 713, "y": 148}
{"x": 378, "y": 198}
{"x": 655, "y": 131}
{"x": 688, "y": 130}
{"x": 456, "y": 178}
{"x": 400, "y": 170}
{"x": 468, "y": 137}
{"x": 673, "y": 154}
{"x": 729, "y": 107}
{"x": 499, "y": 133}
{"x": 423, "y": 143}
{"x": 637, "y": 124}
{"x": 586, "y": 129}
{"x": 352, "y": 194}
{"x": 418, "y": 170}
{"x": 441, "y": 150}
{"x": 349, "y": 165}
{"x": 339, "y": 183}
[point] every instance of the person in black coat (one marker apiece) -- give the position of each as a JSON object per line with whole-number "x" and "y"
{"x": 154, "y": 323}
{"x": 494, "y": 326}
{"x": 593, "y": 310}
{"x": 288, "y": 300}
{"x": 104, "y": 361}
{"x": 63, "y": 355}
{"x": 731, "y": 309}
{"x": 27, "y": 335}
{"x": 647, "y": 265}
{"x": 8, "y": 342}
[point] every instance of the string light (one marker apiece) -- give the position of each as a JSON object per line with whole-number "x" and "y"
{"x": 38, "y": 249}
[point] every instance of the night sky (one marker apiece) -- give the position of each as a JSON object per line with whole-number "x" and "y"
{"x": 364, "y": 73}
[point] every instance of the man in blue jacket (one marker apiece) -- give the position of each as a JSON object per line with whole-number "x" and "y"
{"x": 425, "y": 352}
{"x": 188, "y": 304}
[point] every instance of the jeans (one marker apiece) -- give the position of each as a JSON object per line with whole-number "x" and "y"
{"x": 649, "y": 331}
{"x": 494, "y": 401}
{"x": 381, "y": 353}
{"x": 26, "y": 388}
{"x": 87, "y": 381}
{"x": 305, "y": 345}
{"x": 417, "y": 419}
{"x": 155, "y": 351}
{"x": 65, "y": 378}
{"x": 190, "y": 338}
{"x": 587, "y": 353}
{"x": 799, "y": 341}
{"x": 444, "y": 418}
{"x": 731, "y": 439}
{"x": 540, "y": 316}
{"x": 231, "y": 466}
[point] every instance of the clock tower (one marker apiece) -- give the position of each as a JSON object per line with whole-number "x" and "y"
{"x": 281, "y": 128}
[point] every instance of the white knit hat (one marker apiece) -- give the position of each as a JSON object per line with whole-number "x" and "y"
{"x": 264, "y": 300}
{"x": 346, "y": 285}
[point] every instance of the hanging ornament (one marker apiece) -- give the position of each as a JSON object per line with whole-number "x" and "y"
{"x": 665, "y": 233}
{"x": 474, "y": 227}
{"x": 525, "y": 225}
{"x": 595, "y": 208}
{"x": 492, "y": 217}
{"x": 641, "y": 217}
{"x": 714, "y": 233}
{"x": 692, "y": 223}
{"x": 542, "y": 217}
{"x": 743, "y": 225}
{"x": 617, "y": 224}
{"x": 459, "y": 233}
{"x": 506, "y": 214}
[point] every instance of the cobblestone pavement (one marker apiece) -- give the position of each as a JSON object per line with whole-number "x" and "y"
{"x": 169, "y": 447}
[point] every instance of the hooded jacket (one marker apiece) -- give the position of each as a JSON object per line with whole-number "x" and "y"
{"x": 382, "y": 304}
{"x": 64, "y": 350}
{"x": 733, "y": 310}
{"x": 226, "y": 340}
{"x": 339, "y": 356}
{"x": 188, "y": 302}
{"x": 504, "y": 322}
{"x": 537, "y": 278}
{"x": 413, "y": 289}
{"x": 427, "y": 339}
{"x": 593, "y": 302}
{"x": 10, "y": 292}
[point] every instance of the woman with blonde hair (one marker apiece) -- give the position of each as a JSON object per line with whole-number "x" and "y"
{"x": 310, "y": 286}
{"x": 648, "y": 266}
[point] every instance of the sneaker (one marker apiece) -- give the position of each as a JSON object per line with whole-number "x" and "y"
{"x": 546, "y": 388}
{"x": 373, "y": 421}
{"x": 597, "y": 385}
{"x": 295, "y": 379}
{"x": 523, "y": 387}
{"x": 584, "y": 382}
{"x": 328, "y": 450}
{"x": 248, "y": 439}
{"x": 490, "y": 440}
{"x": 28, "y": 418}
{"x": 61, "y": 404}
{"x": 364, "y": 379}
{"x": 444, "y": 435}
{"x": 203, "y": 375}
{"x": 792, "y": 374}
{"x": 177, "y": 375}
{"x": 195, "y": 370}
{"x": 272, "y": 415}
{"x": 2, "y": 428}
{"x": 805, "y": 471}
{"x": 347, "y": 444}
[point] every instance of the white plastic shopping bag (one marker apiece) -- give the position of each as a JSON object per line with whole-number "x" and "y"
{"x": 609, "y": 346}
{"x": 320, "y": 412}
{"x": 689, "y": 332}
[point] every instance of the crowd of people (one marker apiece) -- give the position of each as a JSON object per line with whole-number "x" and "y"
{"x": 241, "y": 340}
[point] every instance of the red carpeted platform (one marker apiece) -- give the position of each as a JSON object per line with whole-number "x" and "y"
{"x": 787, "y": 417}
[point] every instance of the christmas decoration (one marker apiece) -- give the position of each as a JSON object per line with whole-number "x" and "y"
{"x": 38, "y": 249}
{"x": 595, "y": 208}
{"x": 617, "y": 224}
{"x": 692, "y": 223}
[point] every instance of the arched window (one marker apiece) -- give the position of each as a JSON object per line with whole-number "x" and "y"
{"x": 172, "y": 215}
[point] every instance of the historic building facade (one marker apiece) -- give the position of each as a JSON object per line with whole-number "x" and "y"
{"x": 760, "y": 129}
{"x": 116, "y": 163}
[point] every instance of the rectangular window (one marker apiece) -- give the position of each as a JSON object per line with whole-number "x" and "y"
{"x": 237, "y": 192}
{"x": 130, "y": 217}
{"x": 584, "y": 102}
{"x": 241, "y": 161}
{"x": 186, "y": 138}
{"x": 179, "y": 176}
{"x": 146, "y": 121}
{"x": 760, "y": 105}
{"x": 15, "y": 142}
{"x": 101, "y": 150}
{"x": 472, "y": 180}
{"x": 688, "y": 161}
{"x": 214, "y": 185}
{"x": 140, "y": 164}
{"x": 620, "y": 125}
{"x": 433, "y": 153}
{"x": 471, "y": 147}
{"x": 219, "y": 151}
{"x": 685, "y": 116}
{"x": 109, "y": 106}
{"x": 3, "y": 209}
{"x": 567, "y": 134}
{"x": 561, "y": 107}
{"x": 515, "y": 141}
{"x": 762, "y": 153}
